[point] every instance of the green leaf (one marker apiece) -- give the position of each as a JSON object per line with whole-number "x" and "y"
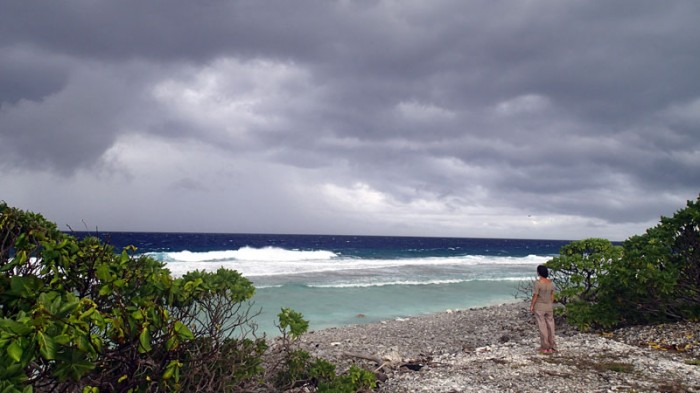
{"x": 47, "y": 346}
{"x": 171, "y": 343}
{"x": 12, "y": 371}
{"x": 87, "y": 313}
{"x": 24, "y": 286}
{"x": 74, "y": 369}
{"x": 96, "y": 342}
{"x": 68, "y": 307}
{"x": 98, "y": 319}
{"x": 137, "y": 315}
{"x": 15, "y": 327}
{"x": 183, "y": 332}
{"x": 103, "y": 273}
{"x": 124, "y": 258}
{"x": 172, "y": 370}
{"x": 62, "y": 339}
{"x": 15, "y": 351}
{"x": 83, "y": 343}
{"x": 105, "y": 290}
{"x": 145, "y": 341}
{"x": 168, "y": 373}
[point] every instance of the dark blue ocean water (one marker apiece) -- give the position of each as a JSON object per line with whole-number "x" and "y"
{"x": 339, "y": 280}
{"x": 358, "y": 246}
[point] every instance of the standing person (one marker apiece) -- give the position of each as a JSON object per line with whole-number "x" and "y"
{"x": 543, "y": 307}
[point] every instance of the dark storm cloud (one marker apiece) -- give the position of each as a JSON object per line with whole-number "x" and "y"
{"x": 565, "y": 107}
{"x": 72, "y": 127}
{"x": 597, "y": 60}
{"x": 26, "y": 76}
{"x": 168, "y": 30}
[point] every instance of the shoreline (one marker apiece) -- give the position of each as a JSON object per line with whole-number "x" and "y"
{"x": 335, "y": 307}
{"x": 494, "y": 348}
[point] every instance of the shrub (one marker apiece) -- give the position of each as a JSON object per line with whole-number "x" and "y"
{"x": 659, "y": 277}
{"x": 580, "y": 265}
{"x": 654, "y": 277}
{"x": 577, "y": 273}
{"x": 76, "y": 316}
{"x": 298, "y": 369}
{"x": 356, "y": 379}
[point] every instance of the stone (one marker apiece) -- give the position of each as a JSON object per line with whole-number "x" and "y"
{"x": 467, "y": 351}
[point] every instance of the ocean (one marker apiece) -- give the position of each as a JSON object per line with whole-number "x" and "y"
{"x": 342, "y": 280}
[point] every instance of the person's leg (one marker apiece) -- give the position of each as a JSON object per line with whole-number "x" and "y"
{"x": 542, "y": 327}
{"x": 549, "y": 322}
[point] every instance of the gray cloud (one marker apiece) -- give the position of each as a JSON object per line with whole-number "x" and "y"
{"x": 582, "y": 113}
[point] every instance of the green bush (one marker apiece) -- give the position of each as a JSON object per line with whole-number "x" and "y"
{"x": 659, "y": 277}
{"x": 651, "y": 278}
{"x": 76, "y": 316}
{"x": 577, "y": 273}
{"x": 299, "y": 369}
{"x": 580, "y": 265}
{"x": 356, "y": 379}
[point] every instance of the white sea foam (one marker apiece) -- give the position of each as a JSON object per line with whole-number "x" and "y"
{"x": 273, "y": 261}
{"x": 412, "y": 282}
{"x": 384, "y": 284}
{"x": 267, "y": 254}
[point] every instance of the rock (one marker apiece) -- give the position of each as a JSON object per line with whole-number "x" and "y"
{"x": 495, "y": 349}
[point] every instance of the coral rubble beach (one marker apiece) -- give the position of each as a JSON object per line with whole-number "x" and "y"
{"x": 495, "y": 349}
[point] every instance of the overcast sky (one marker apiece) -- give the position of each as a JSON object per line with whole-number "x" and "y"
{"x": 509, "y": 119}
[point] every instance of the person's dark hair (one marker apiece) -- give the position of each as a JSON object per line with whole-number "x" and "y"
{"x": 542, "y": 271}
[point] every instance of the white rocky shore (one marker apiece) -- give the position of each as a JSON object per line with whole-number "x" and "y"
{"x": 494, "y": 349}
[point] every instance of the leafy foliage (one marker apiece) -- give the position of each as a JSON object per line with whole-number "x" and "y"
{"x": 579, "y": 267}
{"x": 292, "y": 324}
{"x": 76, "y": 316}
{"x": 654, "y": 277}
{"x": 298, "y": 369}
{"x": 659, "y": 279}
{"x": 577, "y": 272}
{"x": 356, "y": 379}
